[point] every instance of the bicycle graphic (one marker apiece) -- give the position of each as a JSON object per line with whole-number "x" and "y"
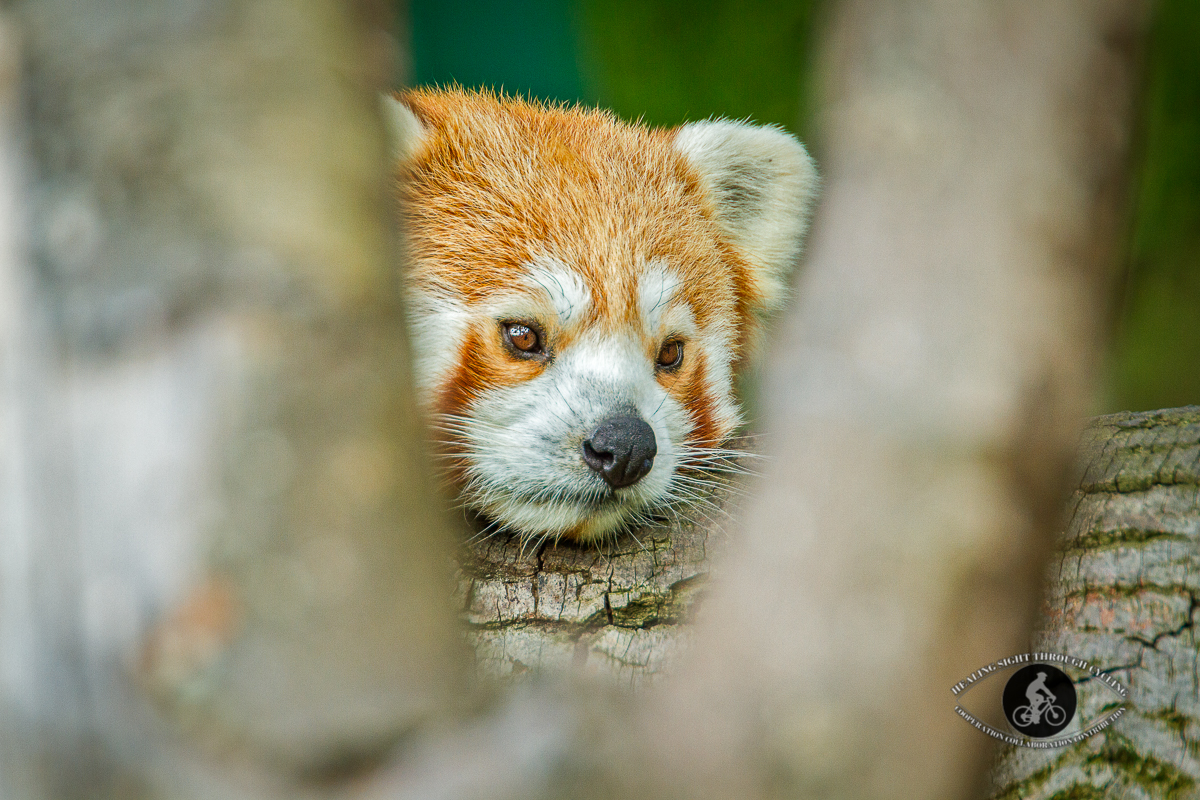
{"x": 1025, "y": 716}
{"x": 1042, "y": 703}
{"x": 1039, "y": 701}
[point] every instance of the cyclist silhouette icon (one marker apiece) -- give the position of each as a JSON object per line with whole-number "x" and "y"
{"x": 1039, "y": 700}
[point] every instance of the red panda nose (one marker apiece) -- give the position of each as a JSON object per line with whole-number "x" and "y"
{"x": 621, "y": 450}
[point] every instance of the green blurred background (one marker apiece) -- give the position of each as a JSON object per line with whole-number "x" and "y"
{"x": 666, "y": 61}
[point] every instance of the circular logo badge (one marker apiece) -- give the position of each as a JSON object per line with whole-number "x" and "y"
{"x": 1039, "y": 700}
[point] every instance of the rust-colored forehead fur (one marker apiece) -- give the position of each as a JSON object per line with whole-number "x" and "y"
{"x": 495, "y": 185}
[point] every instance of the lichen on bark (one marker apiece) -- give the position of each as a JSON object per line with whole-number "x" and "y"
{"x": 1123, "y": 595}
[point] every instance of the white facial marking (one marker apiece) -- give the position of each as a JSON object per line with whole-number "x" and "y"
{"x": 525, "y": 466}
{"x": 563, "y": 287}
{"x": 716, "y": 342}
{"x": 656, "y": 291}
{"x": 438, "y": 325}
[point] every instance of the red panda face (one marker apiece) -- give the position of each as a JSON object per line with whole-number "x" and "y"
{"x": 581, "y": 292}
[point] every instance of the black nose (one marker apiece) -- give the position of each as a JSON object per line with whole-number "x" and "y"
{"x": 622, "y": 450}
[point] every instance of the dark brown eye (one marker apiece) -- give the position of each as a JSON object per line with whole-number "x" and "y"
{"x": 523, "y": 338}
{"x": 670, "y": 355}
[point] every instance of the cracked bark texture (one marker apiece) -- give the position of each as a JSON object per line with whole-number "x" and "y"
{"x": 1123, "y": 596}
{"x": 618, "y": 610}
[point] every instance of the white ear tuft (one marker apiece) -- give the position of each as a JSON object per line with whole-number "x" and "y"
{"x": 405, "y": 131}
{"x": 762, "y": 182}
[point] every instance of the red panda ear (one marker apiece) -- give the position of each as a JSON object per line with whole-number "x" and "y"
{"x": 762, "y": 183}
{"x": 405, "y": 131}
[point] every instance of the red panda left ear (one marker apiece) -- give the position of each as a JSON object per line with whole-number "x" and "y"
{"x": 405, "y": 131}
{"x": 762, "y": 183}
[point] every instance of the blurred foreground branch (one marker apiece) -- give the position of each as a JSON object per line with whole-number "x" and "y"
{"x": 217, "y": 522}
{"x": 924, "y": 400}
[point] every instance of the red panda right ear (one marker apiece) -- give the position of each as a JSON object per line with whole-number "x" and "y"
{"x": 762, "y": 183}
{"x": 405, "y": 131}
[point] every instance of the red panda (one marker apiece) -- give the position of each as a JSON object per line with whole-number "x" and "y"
{"x": 581, "y": 292}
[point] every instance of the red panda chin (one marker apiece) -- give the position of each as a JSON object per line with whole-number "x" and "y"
{"x": 587, "y": 522}
{"x": 635, "y": 267}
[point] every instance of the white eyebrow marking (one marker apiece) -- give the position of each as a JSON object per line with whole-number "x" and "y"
{"x": 656, "y": 290}
{"x": 562, "y": 285}
{"x": 435, "y": 317}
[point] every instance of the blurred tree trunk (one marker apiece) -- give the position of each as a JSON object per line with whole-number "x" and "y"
{"x": 925, "y": 398}
{"x": 217, "y": 515}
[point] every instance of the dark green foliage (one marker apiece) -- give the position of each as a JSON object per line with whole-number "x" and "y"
{"x": 522, "y": 46}
{"x": 676, "y": 60}
{"x": 664, "y": 62}
{"x": 1156, "y": 358}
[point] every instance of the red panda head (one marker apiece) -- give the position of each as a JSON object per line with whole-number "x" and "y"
{"x": 581, "y": 292}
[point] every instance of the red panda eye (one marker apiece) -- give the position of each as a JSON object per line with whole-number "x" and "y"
{"x": 523, "y": 338}
{"x": 670, "y": 355}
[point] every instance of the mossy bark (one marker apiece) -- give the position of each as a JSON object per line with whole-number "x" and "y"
{"x": 1124, "y": 597}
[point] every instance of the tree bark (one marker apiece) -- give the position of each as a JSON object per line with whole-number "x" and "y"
{"x": 1124, "y": 595}
{"x": 619, "y": 610}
